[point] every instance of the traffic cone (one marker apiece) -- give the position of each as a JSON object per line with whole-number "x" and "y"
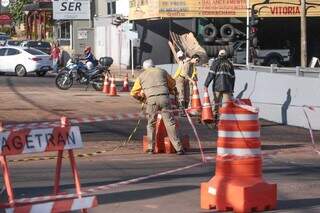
{"x": 125, "y": 87}
{"x": 238, "y": 184}
{"x": 160, "y": 134}
{"x": 106, "y": 85}
{"x": 196, "y": 107}
{"x": 113, "y": 88}
{"x": 162, "y": 141}
{"x": 207, "y": 114}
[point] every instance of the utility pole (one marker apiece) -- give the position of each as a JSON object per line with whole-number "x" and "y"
{"x": 303, "y": 34}
{"x": 248, "y": 34}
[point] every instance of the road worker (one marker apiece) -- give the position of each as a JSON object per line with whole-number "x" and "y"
{"x": 185, "y": 80}
{"x": 223, "y": 78}
{"x": 154, "y": 86}
{"x": 180, "y": 57}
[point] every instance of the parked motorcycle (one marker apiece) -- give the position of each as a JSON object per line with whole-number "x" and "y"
{"x": 75, "y": 70}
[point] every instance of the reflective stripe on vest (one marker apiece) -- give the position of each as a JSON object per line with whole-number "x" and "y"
{"x": 194, "y": 73}
{"x": 178, "y": 71}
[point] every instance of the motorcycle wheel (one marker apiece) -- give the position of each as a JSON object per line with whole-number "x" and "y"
{"x": 64, "y": 81}
{"x": 98, "y": 83}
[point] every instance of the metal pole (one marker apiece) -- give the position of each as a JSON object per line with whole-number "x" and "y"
{"x": 132, "y": 58}
{"x": 303, "y": 34}
{"x": 90, "y": 15}
{"x": 248, "y": 34}
{"x": 120, "y": 47}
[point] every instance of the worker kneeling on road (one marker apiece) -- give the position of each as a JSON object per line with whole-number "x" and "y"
{"x": 223, "y": 78}
{"x": 153, "y": 86}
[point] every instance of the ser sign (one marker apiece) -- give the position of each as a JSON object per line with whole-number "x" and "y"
{"x": 71, "y": 9}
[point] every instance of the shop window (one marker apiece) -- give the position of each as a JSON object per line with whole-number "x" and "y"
{"x": 111, "y": 7}
{"x": 64, "y": 32}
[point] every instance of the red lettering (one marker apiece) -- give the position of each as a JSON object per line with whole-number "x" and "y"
{"x": 285, "y": 10}
{"x": 274, "y": 10}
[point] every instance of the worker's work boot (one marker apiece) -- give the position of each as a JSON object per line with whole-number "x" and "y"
{"x": 181, "y": 152}
{"x": 149, "y": 151}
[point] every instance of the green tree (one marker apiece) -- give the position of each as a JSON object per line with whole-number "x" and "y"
{"x": 16, "y": 10}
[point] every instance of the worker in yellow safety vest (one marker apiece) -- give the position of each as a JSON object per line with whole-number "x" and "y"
{"x": 153, "y": 86}
{"x": 185, "y": 77}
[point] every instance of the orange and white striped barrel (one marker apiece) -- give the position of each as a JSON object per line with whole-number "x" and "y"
{"x": 238, "y": 141}
{"x": 238, "y": 183}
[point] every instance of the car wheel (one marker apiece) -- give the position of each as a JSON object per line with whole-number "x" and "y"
{"x": 41, "y": 73}
{"x": 21, "y": 70}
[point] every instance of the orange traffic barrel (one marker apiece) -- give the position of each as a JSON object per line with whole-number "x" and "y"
{"x": 238, "y": 183}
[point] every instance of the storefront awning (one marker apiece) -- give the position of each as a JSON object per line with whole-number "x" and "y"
{"x": 40, "y": 5}
{"x": 5, "y": 20}
{"x": 218, "y": 8}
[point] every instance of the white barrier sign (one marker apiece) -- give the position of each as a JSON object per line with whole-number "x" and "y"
{"x": 71, "y": 9}
{"x": 40, "y": 140}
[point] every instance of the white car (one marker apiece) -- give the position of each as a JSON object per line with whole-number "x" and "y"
{"x": 23, "y": 60}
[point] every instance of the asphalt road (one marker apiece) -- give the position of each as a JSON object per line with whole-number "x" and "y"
{"x": 294, "y": 167}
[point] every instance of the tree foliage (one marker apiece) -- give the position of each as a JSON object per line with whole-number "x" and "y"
{"x": 16, "y": 9}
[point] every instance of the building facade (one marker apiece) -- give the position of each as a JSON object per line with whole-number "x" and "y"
{"x": 278, "y": 27}
{"x": 111, "y": 38}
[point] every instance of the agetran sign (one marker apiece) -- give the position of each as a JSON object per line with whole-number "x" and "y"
{"x": 71, "y": 9}
{"x": 40, "y": 140}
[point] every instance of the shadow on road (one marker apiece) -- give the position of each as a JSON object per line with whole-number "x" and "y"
{"x": 134, "y": 195}
{"x": 281, "y": 146}
{"x": 298, "y": 204}
{"x": 24, "y": 98}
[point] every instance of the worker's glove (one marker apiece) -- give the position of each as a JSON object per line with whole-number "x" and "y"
{"x": 140, "y": 98}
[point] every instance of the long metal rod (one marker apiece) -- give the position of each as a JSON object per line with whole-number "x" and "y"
{"x": 248, "y": 35}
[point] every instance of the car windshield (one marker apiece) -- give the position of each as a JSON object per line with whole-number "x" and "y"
{"x": 14, "y": 43}
{"x": 39, "y": 44}
{"x": 34, "y": 52}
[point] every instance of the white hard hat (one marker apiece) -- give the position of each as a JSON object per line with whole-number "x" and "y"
{"x": 222, "y": 53}
{"x": 89, "y": 65}
{"x": 147, "y": 64}
{"x": 180, "y": 54}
